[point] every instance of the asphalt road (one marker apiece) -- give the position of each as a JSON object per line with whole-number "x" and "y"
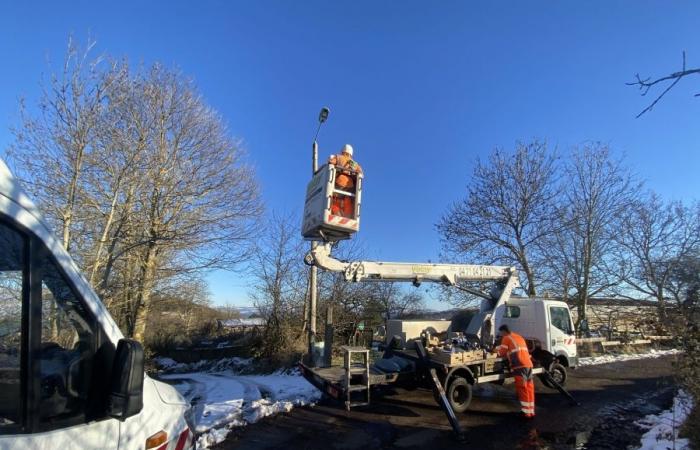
{"x": 612, "y": 397}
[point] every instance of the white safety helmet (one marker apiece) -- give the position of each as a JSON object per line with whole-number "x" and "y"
{"x": 347, "y": 148}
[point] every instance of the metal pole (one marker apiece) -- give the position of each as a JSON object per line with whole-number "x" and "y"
{"x": 313, "y": 279}
{"x": 328, "y": 338}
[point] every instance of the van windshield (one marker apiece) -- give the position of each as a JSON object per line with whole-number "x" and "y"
{"x": 560, "y": 318}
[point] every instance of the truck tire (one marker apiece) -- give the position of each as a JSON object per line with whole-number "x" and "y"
{"x": 558, "y": 372}
{"x": 459, "y": 394}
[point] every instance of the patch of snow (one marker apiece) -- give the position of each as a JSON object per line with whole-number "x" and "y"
{"x": 224, "y": 400}
{"x": 605, "y": 359}
{"x": 663, "y": 428}
{"x": 165, "y": 363}
{"x": 249, "y": 322}
{"x": 234, "y": 364}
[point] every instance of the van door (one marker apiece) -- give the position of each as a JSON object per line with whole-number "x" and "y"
{"x": 561, "y": 329}
{"x": 50, "y": 378}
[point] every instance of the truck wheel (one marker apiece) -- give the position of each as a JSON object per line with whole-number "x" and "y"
{"x": 459, "y": 394}
{"x": 558, "y": 372}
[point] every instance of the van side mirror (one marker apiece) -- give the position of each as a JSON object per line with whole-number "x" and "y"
{"x": 126, "y": 387}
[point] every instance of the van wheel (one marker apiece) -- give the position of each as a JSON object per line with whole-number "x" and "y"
{"x": 459, "y": 394}
{"x": 556, "y": 371}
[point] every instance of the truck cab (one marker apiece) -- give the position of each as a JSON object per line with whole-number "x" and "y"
{"x": 68, "y": 378}
{"x": 545, "y": 321}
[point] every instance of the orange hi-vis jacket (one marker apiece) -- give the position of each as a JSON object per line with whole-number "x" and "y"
{"x": 514, "y": 347}
{"x": 344, "y": 162}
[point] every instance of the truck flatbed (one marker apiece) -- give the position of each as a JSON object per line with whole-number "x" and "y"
{"x": 481, "y": 374}
{"x": 331, "y": 380}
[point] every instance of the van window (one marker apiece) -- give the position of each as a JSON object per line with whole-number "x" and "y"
{"x": 12, "y": 274}
{"x": 560, "y": 318}
{"x": 512, "y": 312}
{"x": 67, "y": 347}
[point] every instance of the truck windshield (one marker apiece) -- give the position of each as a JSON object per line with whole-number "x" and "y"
{"x": 560, "y": 318}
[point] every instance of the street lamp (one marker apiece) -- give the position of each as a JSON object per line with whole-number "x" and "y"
{"x": 313, "y": 278}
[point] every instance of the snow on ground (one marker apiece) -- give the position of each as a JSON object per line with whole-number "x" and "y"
{"x": 169, "y": 365}
{"x": 663, "y": 428}
{"x": 223, "y": 400}
{"x": 604, "y": 359}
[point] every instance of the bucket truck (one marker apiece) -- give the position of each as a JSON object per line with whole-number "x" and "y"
{"x": 450, "y": 362}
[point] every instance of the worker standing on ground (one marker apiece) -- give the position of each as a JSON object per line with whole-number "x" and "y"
{"x": 345, "y": 180}
{"x": 514, "y": 347}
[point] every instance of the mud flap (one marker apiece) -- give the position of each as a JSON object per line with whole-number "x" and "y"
{"x": 560, "y": 388}
{"x": 439, "y": 392}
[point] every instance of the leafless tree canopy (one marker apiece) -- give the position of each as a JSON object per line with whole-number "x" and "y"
{"x": 582, "y": 222}
{"x": 279, "y": 290}
{"x": 140, "y": 176}
{"x": 508, "y": 210}
{"x": 281, "y": 295}
{"x": 655, "y": 239}
{"x": 598, "y": 191}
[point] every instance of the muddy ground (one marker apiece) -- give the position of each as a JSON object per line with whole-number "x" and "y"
{"x": 612, "y": 397}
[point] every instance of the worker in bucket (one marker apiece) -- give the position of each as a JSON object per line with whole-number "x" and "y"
{"x": 344, "y": 205}
{"x": 514, "y": 348}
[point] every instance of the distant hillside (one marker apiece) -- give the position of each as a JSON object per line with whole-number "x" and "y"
{"x": 247, "y": 311}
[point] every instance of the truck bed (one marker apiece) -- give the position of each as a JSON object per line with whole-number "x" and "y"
{"x": 331, "y": 380}
{"x": 481, "y": 374}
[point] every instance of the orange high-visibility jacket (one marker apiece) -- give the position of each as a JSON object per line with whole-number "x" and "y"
{"x": 344, "y": 162}
{"x": 513, "y": 347}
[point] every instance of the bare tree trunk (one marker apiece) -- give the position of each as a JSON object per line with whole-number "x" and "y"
{"x": 143, "y": 303}
{"x": 72, "y": 193}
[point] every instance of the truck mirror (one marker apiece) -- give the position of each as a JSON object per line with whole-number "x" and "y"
{"x": 126, "y": 387}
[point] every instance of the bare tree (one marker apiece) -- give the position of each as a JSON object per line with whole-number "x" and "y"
{"x": 142, "y": 178}
{"x": 347, "y": 300}
{"x": 509, "y": 208}
{"x": 598, "y": 190}
{"x": 59, "y": 142}
{"x": 394, "y": 302}
{"x": 655, "y": 238}
{"x": 686, "y": 286}
{"x": 228, "y": 311}
{"x": 646, "y": 84}
{"x": 279, "y": 291}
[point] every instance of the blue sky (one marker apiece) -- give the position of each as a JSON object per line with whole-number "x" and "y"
{"x": 421, "y": 89}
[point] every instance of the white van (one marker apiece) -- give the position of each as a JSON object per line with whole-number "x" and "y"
{"x": 68, "y": 378}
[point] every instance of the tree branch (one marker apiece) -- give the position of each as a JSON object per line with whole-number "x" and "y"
{"x": 646, "y": 84}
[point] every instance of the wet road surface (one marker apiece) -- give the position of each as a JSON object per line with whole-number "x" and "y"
{"x": 612, "y": 397}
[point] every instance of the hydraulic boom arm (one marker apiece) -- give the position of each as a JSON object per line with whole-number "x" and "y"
{"x": 416, "y": 273}
{"x": 449, "y": 274}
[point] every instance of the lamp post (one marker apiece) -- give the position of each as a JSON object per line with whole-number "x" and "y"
{"x": 313, "y": 277}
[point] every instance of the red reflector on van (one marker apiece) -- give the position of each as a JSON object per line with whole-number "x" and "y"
{"x": 183, "y": 439}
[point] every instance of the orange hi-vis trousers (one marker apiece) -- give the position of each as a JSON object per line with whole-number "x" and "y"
{"x": 525, "y": 388}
